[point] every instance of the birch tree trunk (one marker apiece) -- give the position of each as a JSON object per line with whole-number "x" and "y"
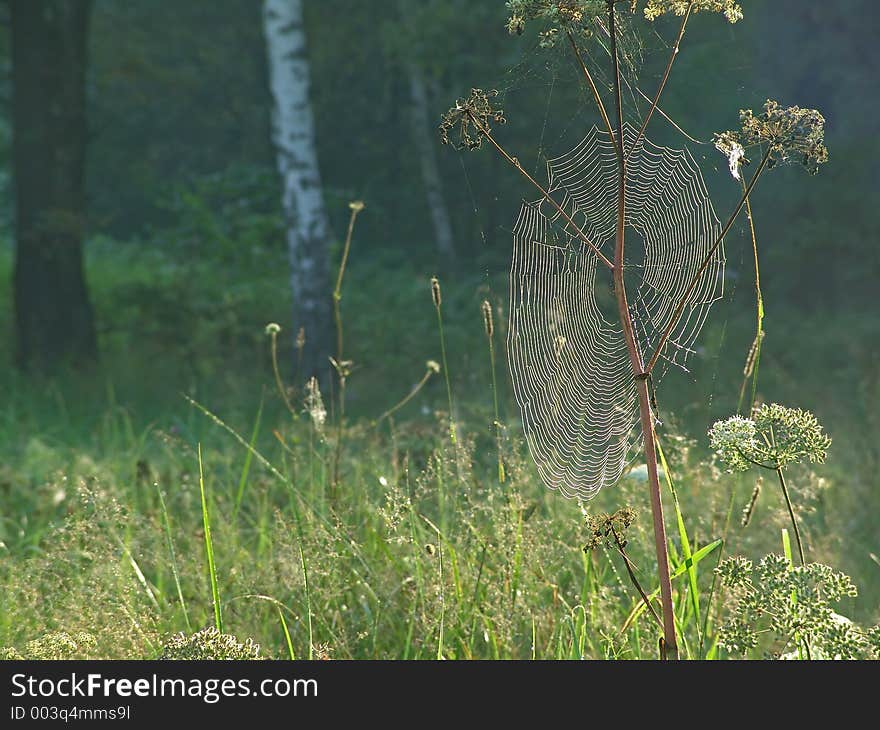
{"x": 426, "y": 147}
{"x": 294, "y": 137}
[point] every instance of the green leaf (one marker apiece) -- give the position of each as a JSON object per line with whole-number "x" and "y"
{"x": 679, "y": 571}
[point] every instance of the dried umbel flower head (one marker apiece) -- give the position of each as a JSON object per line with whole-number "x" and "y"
{"x": 792, "y": 135}
{"x": 567, "y": 15}
{"x": 474, "y": 117}
{"x": 356, "y": 206}
{"x": 730, "y": 9}
{"x": 609, "y": 530}
{"x": 488, "y": 323}
{"x": 436, "y": 294}
{"x": 272, "y": 329}
{"x": 773, "y": 437}
{"x": 433, "y": 366}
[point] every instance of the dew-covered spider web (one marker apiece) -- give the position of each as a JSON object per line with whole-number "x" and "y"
{"x": 572, "y": 376}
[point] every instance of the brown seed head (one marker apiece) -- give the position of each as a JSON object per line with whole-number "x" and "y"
{"x": 487, "y": 318}
{"x": 435, "y": 292}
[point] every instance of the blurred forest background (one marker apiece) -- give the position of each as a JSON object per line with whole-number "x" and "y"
{"x": 184, "y": 247}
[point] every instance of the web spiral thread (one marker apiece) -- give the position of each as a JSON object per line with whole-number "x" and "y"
{"x": 571, "y": 372}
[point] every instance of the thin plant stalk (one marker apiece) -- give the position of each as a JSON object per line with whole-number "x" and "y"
{"x": 794, "y": 523}
{"x": 339, "y": 364}
{"x": 676, "y": 315}
{"x": 714, "y": 583}
{"x": 753, "y": 360}
{"x": 209, "y": 548}
{"x": 664, "y": 79}
{"x": 245, "y": 470}
{"x": 167, "y": 524}
{"x": 549, "y": 198}
{"x": 356, "y": 207}
{"x": 490, "y": 337}
{"x": 438, "y": 303}
{"x": 630, "y": 568}
{"x": 647, "y": 418}
{"x": 591, "y": 83}
{"x": 290, "y": 652}
{"x": 273, "y": 331}
{"x": 305, "y": 573}
{"x": 409, "y": 396}
{"x": 803, "y": 643}
{"x": 440, "y": 636}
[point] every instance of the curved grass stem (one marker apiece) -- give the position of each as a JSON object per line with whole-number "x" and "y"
{"x": 794, "y": 523}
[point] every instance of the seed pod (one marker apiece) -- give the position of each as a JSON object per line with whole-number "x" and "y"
{"x": 750, "y": 507}
{"x": 753, "y": 354}
{"x": 487, "y": 318}
{"x": 435, "y": 292}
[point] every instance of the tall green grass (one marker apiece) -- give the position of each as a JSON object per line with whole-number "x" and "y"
{"x": 353, "y": 578}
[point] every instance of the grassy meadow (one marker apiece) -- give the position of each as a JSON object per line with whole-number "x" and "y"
{"x": 171, "y": 489}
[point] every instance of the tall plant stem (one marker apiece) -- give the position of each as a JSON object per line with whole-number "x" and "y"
{"x": 664, "y": 79}
{"x": 754, "y": 358}
{"x": 592, "y": 84}
{"x": 340, "y": 367}
{"x": 676, "y": 315}
{"x": 407, "y": 398}
{"x": 670, "y": 643}
{"x": 437, "y": 308}
{"x": 566, "y": 217}
{"x": 794, "y": 524}
{"x": 497, "y": 423}
{"x": 356, "y": 207}
{"x": 630, "y": 568}
{"x": 273, "y": 335}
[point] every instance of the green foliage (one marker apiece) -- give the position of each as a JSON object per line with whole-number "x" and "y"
{"x": 232, "y": 216}
{"x": 80, "y": 594}
{"x": 792, "y": 135}
{"x": 774, "y": 437}
{"x": 209, "y": 644}
{"x": 775, "y": 605}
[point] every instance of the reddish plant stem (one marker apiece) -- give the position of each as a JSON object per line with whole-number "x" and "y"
{"x": 647, "y": 419}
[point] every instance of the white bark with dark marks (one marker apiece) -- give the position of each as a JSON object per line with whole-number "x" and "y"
{"x": 293, "y": 132}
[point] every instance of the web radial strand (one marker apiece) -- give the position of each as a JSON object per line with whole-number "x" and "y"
{"x": 571, "y": 372}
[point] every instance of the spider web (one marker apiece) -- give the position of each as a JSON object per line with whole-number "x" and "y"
{"x": 572, "y": 377}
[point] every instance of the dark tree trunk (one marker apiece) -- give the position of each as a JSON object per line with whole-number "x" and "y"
{"x": 53, "y": 315}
